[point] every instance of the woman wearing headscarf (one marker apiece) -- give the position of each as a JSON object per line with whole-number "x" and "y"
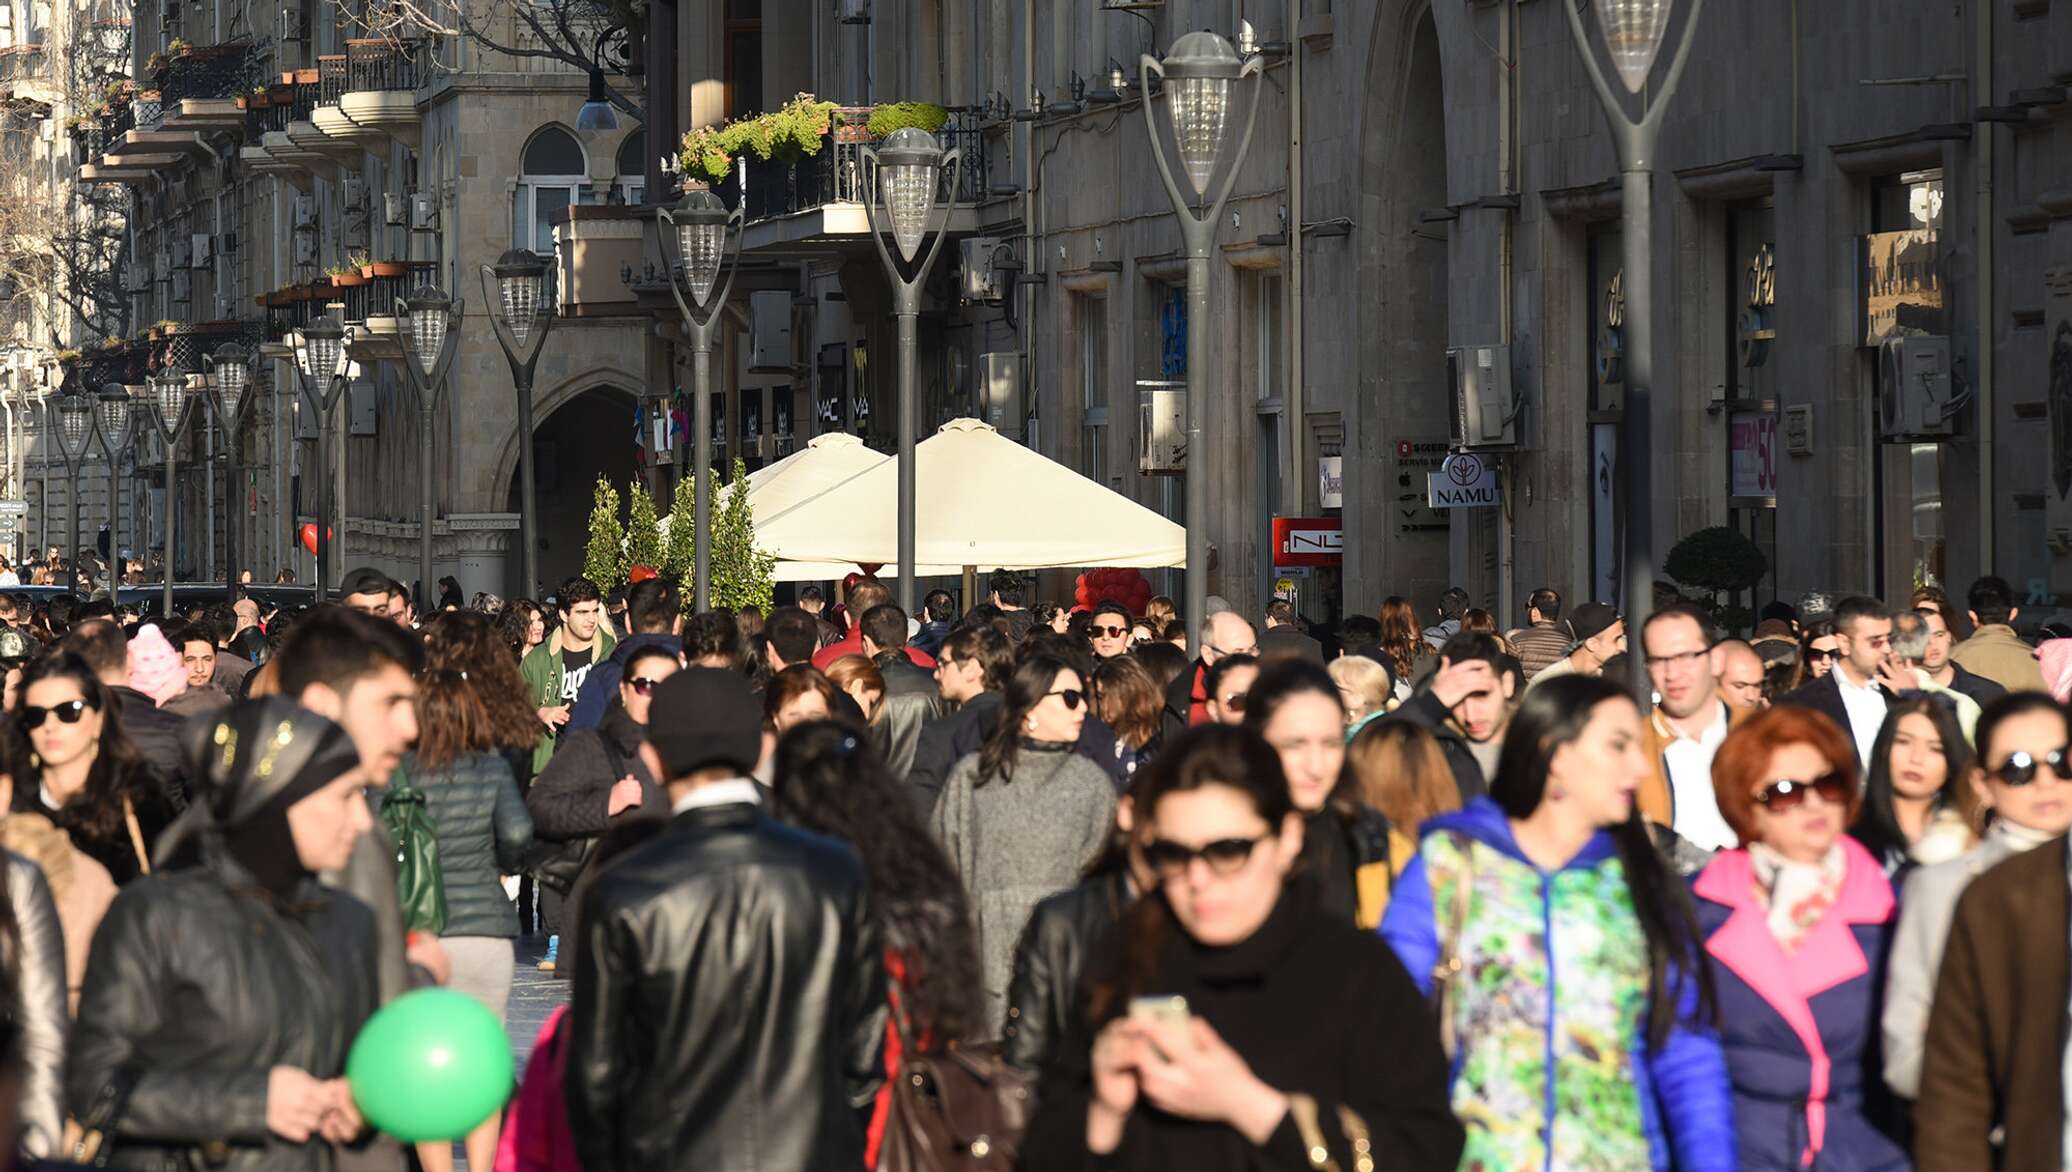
{"x": 224, "y": 988}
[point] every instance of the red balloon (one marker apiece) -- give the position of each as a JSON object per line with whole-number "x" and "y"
{"x": 309, "y": 536}
{"x": 641, "y": 574}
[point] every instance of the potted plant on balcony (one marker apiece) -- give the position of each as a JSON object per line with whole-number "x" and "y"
{"x": 373, "y": 269}
{"x": 345, "y": 275}
{"x": 901, "y": 115}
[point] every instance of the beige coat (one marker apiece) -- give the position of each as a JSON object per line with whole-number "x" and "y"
{"x": 1997, "y": 653}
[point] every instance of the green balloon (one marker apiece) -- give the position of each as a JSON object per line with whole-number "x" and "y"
{"x": 431, "y": 1065}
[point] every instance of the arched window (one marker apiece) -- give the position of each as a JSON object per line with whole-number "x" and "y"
{"x": 632, "y": 166}
{"x": 553, "y": 175}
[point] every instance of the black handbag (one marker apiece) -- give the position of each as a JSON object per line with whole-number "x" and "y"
{"x": 558, "y": 865}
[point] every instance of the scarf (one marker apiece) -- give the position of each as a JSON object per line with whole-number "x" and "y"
{"x": 1796, "y": 894}
{"x": 2020, "y": 838}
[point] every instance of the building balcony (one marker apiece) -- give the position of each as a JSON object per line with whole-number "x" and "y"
{"x": 198, "y": 90}
{"x": 180, "y": 345}
{"x": 381, "y": 82}
{"x": 596, "y": 246}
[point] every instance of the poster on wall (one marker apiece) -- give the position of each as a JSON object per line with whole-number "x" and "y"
{"x": 1752, "y": 455}
{"x": 1604, "y": 530}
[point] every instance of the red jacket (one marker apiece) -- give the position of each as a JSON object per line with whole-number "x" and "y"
{"x": 852, "y": 644}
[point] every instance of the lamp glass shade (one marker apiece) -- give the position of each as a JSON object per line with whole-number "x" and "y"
{"x": 75, "y": 416}
{"x": 702, "y": 247}
{"x": 597, "y": 112}
{"x": 1201, "y": 111}
{"x": 520, "y": 295}
{"x": 321, "y": 355}
{"x": 169, "y": 393}
{"x": 909, "y": 197}
{"x": 1633, "y": 31}
{"x": 428, "y": 334}
{"x": 114, "y": 412}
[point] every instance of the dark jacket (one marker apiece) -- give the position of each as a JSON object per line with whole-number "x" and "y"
{"x": 1286, "y": 642}
{"x": 1425, "y": 711}
{"x": 369, "y": 876}
{"x": 730, "y": 1003}
{"x": 199, "y": 985}
{"x": 1824, "y": 696}
{"x": 1974, "y": 685}
{"x": 156, "y": 734}
{"x": 1993, "y": 1060}
{"x": 601, "y": 686}
{"x": 35, "y": 953}
{"x": 945, "y": 741}
{"x": 1337, "y": 854}
{"x": 931, "y": 637}
{"x": 1048, "y": 962}
{"x": 1179, "y": 705}
{"x": 569, "y": 800}
{"x": 1314, "y": 1006}
{"x": 912, "y": 699}
{"x": 483, "y": 831}
{"x": 153, "y": 805}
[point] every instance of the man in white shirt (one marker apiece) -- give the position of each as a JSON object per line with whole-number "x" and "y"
{"x": 1866, "y": 676}
{"x": 1687, "y": 727}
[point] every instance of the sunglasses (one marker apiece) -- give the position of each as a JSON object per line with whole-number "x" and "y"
{"x": 69, "y": 712}
{"x": 1235, "y": 702}
{"x": 2022, "y": 768}
{"x": 1816, "y": 655}
{"x": 1072, "y": 697}
{"x": 1786, "y": 794}
{"x": 642, "y": 686}
{"x": 1102, "y": 631}
{"x": 1224, "y": 856}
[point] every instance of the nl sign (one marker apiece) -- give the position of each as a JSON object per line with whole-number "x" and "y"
{"x": 1462, "y": 482}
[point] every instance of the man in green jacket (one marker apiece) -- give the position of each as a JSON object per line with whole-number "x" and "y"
{"x": 556, "y": 669}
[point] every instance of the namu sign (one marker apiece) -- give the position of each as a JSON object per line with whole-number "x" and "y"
{"x": 1463, "y": 482}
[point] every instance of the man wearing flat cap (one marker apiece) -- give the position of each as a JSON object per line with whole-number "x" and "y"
{"x": 729, "y": 1003}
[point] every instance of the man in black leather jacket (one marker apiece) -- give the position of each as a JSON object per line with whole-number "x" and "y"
{"x": 911, "y": 696}
{"x": 729, "y": 1007}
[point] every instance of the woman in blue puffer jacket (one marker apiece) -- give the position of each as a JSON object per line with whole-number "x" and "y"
{"x": 1576, "y": 988}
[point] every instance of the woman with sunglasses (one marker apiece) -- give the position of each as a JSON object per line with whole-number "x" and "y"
{"x": 70, "y": 762}
{"x": 1796, "y": 921}
{"x": 1021, "y": 817}
{"x": 1566, "y": 956}
{"x": 1233, "y": 1023}
{"x": 1918, "y": 803}
{"x": 1819, "y": 647}
{"x": 1295, "y": 705}
{"x": 2026, "y": 803}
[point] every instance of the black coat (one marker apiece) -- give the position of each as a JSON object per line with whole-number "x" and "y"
{"x": 1974, "y": 685}
{"x": 569, "y": 798}
{"x": 729, "y": 1003}
{"x": 1824, "y": 696}
{"x": 156, "y": 735}
{"x": 912, "y": 699}
{"x": 483, "y": 833}
{"x": 197, "y": 987}
{"x": 1425, "y": 711}
{"x": 1048, "y": 962}
{"x": 113, "y": 848}
{"x": 1315, "y": 1006}
{"x": 1179, "y": 705}
{"x": 1289, "y": 643}
{"x": 945, "y": 741}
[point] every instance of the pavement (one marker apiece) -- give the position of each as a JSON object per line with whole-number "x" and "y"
{"x": 534, "y": 995}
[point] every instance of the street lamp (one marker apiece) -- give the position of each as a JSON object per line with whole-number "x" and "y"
{"x": 112, "y": 416}
{"x": 72, "y": 426}
{"x": 521, "y": 314}
{"x": 169, "y": 413}
{"x": 906, "y": 174}
{"x": 699, "y": 227}
{"x": 1201, "y": 74}
{"x": 432, "y": 337}
{"x": 227, "y": 376}
{"x": 1633, "y": 32}
{"x": 320, "y": 360}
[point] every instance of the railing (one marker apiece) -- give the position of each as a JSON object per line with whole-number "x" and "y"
{"x": 221, "y": 71}
{"x": 836, "y": 173}
{"x": 119, "y": 123}
{"x": 380, "y": 64}
{"x": 183, "y": 350}
{"x": 23, "y": 63}
{"x": 284, "y": 105}
{"x": 330, "y": 79}
{"x": 148, "y": 108}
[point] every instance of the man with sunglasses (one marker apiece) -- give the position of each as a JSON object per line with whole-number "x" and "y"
{"x": 1686, "y": 729}
{"x": 1866, "y": 676}
{"x": 1109, "y": 629}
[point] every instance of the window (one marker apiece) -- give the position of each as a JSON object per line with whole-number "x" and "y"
{"x": 554, "y": 176}
{"x": 1269, "y": 337}
{"x": 1091, "y": 314}
{"x": 1751, "y": 327}
{"x": 632, "y": 167}
{"x": 1906, "y": 298}
{"x": 744, "y": 63}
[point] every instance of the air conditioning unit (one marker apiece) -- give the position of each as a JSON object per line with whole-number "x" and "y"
{"x": 203, "y": 250}
{"x": 424, "y": 211}
{"x": 305, "y": 250}
{"x": 981, "y": 277}
{"x": 1161, "y": 426}
{"x": 395, "y": 209}
{"x": 1914, "y": 392}
{"x": 305, "y": 211}
{"x": 769, "y": 318}
{"x": 1485, "y": 414}
{"x": 352, "y": 192}
{"x": 183, "y": 286}
{"x": 183, "y": 254}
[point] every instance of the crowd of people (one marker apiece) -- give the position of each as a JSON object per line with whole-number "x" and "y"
{"x": 1025, "y": 886}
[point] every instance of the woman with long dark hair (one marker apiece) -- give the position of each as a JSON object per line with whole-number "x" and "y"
{"x": 523, "y": 626}
{"x": 830, "y": 781}
{"x": 1128, "y": 701}
{"x": 1232, "y": 1023}
{"x": 1410, "y": 658}
{"x": 1021, "y": 817}
{"x": 1917, "y": 804}
{"x": 1569, "y": 954}
{"x": 70, "y": 762}
{"x": 1819, "y": 646}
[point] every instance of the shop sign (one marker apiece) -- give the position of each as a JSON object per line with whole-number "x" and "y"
{"x": 1308, "y": 541}
{"x": 1331, "y": 481}
{"x": 1414, "y": 458}
{"x": 1752, "y": 454}
{"x": 1463, "y": 482}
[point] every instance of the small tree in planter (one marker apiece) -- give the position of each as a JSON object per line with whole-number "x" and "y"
{"x": 680, "y": 554}
{"x": 643, "y": 531}
{"x": 603, "y": 559}
{"x": 1719, "y": 561}
{"x": 742, "y": 575}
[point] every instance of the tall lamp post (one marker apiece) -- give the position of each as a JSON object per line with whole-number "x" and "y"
{"x": 522, "y": 315}
{"x": 320, "y": 360}
{"x": 699, "y": 227}
{"x": 1633, "y": 31}
{"x": 906, "y": 173}
{"x": 113, "y": 414}
{"x": 1201, "y": 74}
{"x": 433, "y": 337}
{"x": 227, "y": 374}
{"x": 72, "y": 425}
{"x": 169, "y": 413}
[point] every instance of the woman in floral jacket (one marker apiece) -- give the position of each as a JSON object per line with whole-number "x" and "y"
{"x": 1577, "y": 1005}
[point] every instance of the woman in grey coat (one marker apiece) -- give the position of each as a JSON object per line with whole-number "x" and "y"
{"x": 1023, "y": 816}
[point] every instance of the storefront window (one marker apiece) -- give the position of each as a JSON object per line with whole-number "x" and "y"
{"x": 1751, "y": 382}
{"x": 1606, "y": 347}
{"x": 1904, "y": 298}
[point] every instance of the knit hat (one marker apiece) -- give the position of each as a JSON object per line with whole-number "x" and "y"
{"x": 154, "y": 666}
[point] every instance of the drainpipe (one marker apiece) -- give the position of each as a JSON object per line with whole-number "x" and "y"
{"x": 1982, "y": 166}
{"x": 1508, "y": 52}
{"x": 1292, "y": 492}
{"x": 1033, "y": 263}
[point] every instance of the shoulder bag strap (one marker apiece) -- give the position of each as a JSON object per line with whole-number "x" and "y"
{"x": 136, "y": 834}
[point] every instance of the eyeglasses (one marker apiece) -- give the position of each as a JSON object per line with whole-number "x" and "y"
{"x": 1785, "y": 794}
{"x": 1102, "y": 631}
{"x": 69, "y": 712}
{"x": 1072, "y": 697}
{"x": 2022, "y": 768}
{"x": 1683, "y": 659}
{"x": 1225, "y": 856}
{"x": 642, "y": 686}
{"x": 1821, "y": 655}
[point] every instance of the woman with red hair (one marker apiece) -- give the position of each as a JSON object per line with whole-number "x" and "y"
{"x": 1796, "y": 922}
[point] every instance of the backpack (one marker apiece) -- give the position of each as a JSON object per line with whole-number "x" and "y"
{"x": 420, "y": 885}
{"x": 535, "y": 1137}
{"x": 962, "y": 1110}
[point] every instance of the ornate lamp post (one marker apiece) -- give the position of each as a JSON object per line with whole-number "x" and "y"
{"x": 434, "y": 335}
{"x": 699, "y": 227}
{"x": 522, "y": 314}
{"x": 71, "y": 423}
{"x": 1202, "y": 73}
{"x": 227, "y": 376}
{"x": 169, "y": 413}
{"x": 113, "y": 415}
{"x": 906, "y": 173}
{"x": 320, "y": 360}
{"x": 1633, "y": 32}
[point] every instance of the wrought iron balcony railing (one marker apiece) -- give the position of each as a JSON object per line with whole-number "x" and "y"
{"x": 835, "y": 174}
{"x": 330, "y": 79}
{"x": 382, "y": 64}
{"x": 219, "y": 71}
